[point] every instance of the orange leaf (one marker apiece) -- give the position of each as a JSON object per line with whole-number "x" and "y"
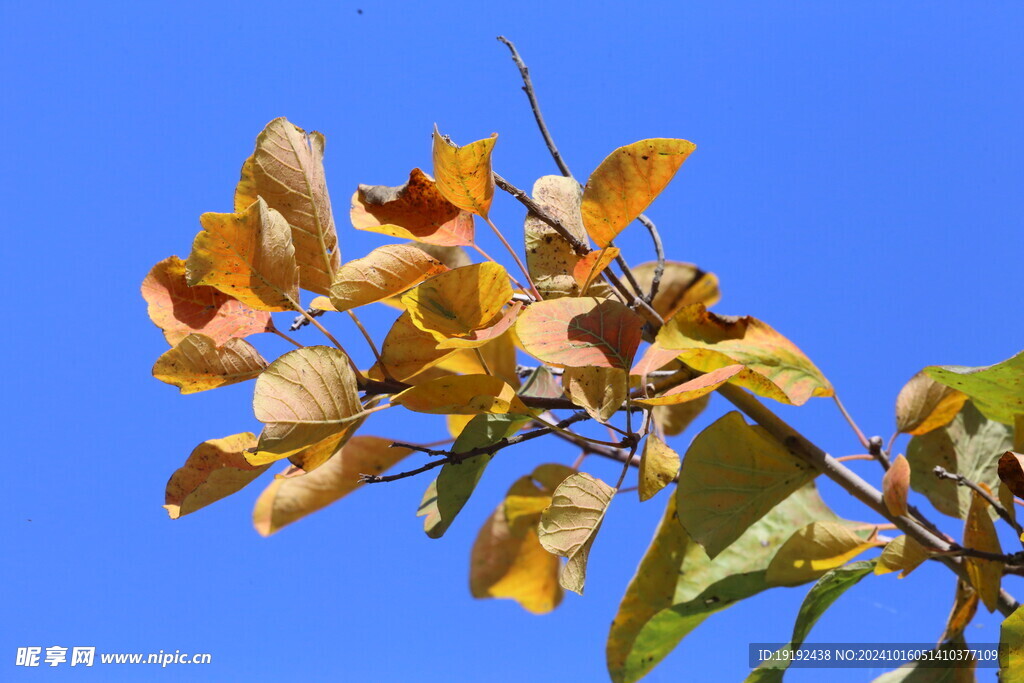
{"x": 577, "y": 332}
{"x": 896, "y": 486}
{"x": 384, "y": 272}
{"x": 464, "y": 174}
{"x": 590, "y": 267}
{"x": 180, "y": 310}
{"x": 654, "y": 359}
{"x": 980, "y": 534}
{"x": 215, "y": 469}
{"x": 416, "y": 210}
{"x": 626, "y": 183}
{"x": 694, "y": 389}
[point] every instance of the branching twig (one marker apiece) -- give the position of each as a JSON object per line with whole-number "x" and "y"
{"x": 659, "y": 252}
{"x": 942, "y": 473}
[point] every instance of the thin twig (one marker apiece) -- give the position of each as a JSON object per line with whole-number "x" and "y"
{"x": 876, "y": 451}
{"x": 942, "y": 473}
{"x": 303, "y": 320}
{"x": 849, "y": 418}
{"x": 369, "y": 340}
{"x": 528, "y": 89}
{"x": 659, "y": 252}
{"x": 630, "y": 278}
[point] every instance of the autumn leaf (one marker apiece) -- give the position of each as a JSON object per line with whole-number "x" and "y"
{"x": 674, "y": 419}
{"x": 215, "y": 469}
{"x": 461, "y": 395}
{"x": 997, "y": 390}
{"x": 304, "y": 397}
{"x": 1011, "y": 655}
{"x": 732, "y": 475}
{"x": 180, "y": 310}
{"x": 626, "y": 183}
{"x": 463, "y": 174}
{"x": 408, "y": 350}
{"x": 659, "y": 465}
{"x": 694, "y": 388}
{"x": 384, "y": 272}
{"x": 457, "y": 302}
{"x": 682, "y": 284}
{"x": 589, "y": 268}
{"x": 415, "y": 210}
{"x": 980, "y": 534}
{"x": 776, "y": 367}
{"x": 896, "y": 486}
{"x": 289, "y": 499}
{"x": 813, "y": 550}
{"x": 247, "y": 255}
{"x": 965, "y": 606}
{"x": 478, "y": 338}
{"x": 541, "y": 384}
{"x": 498, "y": 354}
{"x": 902, "y": 554}
{"x": 923, "y": 405}
{"x": 453, "y": 257}
{"x": 600, "y": 391}
{"x": 198, "y": 364}
{"x": 288, "y": 173}
{"x": 1011, "y": 471}
{"x": 570, "y": 524}
{"x": 578, "y": 332}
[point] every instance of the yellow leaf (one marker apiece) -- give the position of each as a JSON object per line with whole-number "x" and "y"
{"x": 499, "y": 356}
{"x": 408, "y": 350}
{"x": 776, "y": 368}
{"x": 456, "y": 423}
{"x": 923, "y": 405}
{"x": 626, "y": 183}
{"x": 457, "y": 302}
{"x": 288, "y": 173}
{"x": 980, "y": 534}
{"x": 414, "y": 211}
{"x": 965, "y": 606}
{"x": 461, "y": 395}
{"x": 464, "y": 174}
{"x": 198, "y": 364}
{"x": 896, "y": 486}
{"x": 245, "y": 191}
{"x": 312, "y": 457}
{"x": 570, "y": 524}
{"x": 304, "y": 397}
{"x": 180, "y": 310}
{"x": 693, "y": 389}
{"x": 215, "y": 469}
{"x": 659, "y": 465}
{"x": 322, "y": 303}
{"x": 681, "y": 284}
{"x": 577, "y": 332}
{"x": 247, "y": 255}
{"x": 812, "y": 551}
{"x": 1011, "y": 651}
{"x": 288, "y": 499}
{"x": 600, "y": 391}
{"x": 384, "y": 272}
{"x": 478, "y": 338}
{"x": 673, "y": 420}
{"x": 589, "y": 268}
{"x": 902, "y": 554}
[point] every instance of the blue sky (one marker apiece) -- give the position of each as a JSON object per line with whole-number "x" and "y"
{"x": 856, "y": 185}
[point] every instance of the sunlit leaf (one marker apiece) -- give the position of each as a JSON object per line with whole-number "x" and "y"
{"x": 969, "y": 445}
{"x": 626, "y": 183}
{"x": 384, "y": 272}
{"x": 659, "y": 465}
{"x": 997, "y": 390}
{"x": 215, "y": 469}
{"x": 814, "y": 550}
{"x": 463, "y": 174}
{"x": 478, "y": 338}
{"x": 322, "y": 303}
{"x": 707, "y": 341}
{"x": 822, "y": 595}
{"x": 249, "y": 256}
{"x": 923, "y": 405}
{"x": 288, "y": 173}
{"x": 499, "y": 358}
{"x": 180, "y": 310}
{"x": 598, "y": 390}
{"x": 407, "y": 350}
{"x": 245, "y": 191}
{"x": 896, "y": 486}
{"x": 1011, "y": 637}
{"x": 677, "y": 586}
{"x": 461, "y": 395}
{"x": 980, "y": 534}
{"x": 655, "y": 358}
{"x": 694, "y": 388}
{"x": 681, "y": 284}
{"x": 732, "y": 475}
{"x": 902, "y": 554}
{"x": 577, "y": 332}
{"x": 457, "y": 302}
{"x": 289, "y": 499}
{"x": 569, "y": 525}
{"x": 415, "y": 210}
{"x": 198, "y": 364}
{"x": 589, "y": 267}
{"x": 965, "y": 606}
{"x": 304, "y": 397}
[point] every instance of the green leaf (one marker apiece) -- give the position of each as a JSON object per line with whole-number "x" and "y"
{"x": 969, "y": 445}
{"x": 997, "y": 390}
{"x": 826, "y": 591}
{"x": 1011, "y": 635}
{"x": 677, "y": 586}
{"x": 569, "y": 525}
{"x": 732, "y": 475}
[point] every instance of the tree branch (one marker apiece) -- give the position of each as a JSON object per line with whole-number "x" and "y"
{"x": 659, "y": 251}
{"x": 942, "y": 473}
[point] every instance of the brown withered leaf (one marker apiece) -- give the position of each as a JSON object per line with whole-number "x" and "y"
{"x": 681, "y": 284}
{"x": 196, "y": 363}
{"x": 247, "y": 255}
{"x": 291, "y": 498}
{"x": 288, "y": 173}
{"x": 215, "y": 469}
{"x": 415, "y": 210}
{"x": 1011, "y": 471}
{"x": 923, "y": 405}
{"x": 464, "y": 174}
{"x": 980, "y": 534}
{"x": 896, "y": 486}
{"x": 577, "y": 332}
{"x": 180, "y": 310}
{"x": 384, "y": 272}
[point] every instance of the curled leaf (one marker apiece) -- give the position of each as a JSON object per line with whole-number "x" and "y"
{"x": 215, "y": 469}
{"x": 478, "y": 338}
{"x": 408, "y": 350}
{"x": 896, "y": 486}
{"x": 659, "y": 465}
{"x": 463, "y": 174}
{"x": 384, "y": 272}
{"x": 694, "y": 388}
{"x": 568, "y": 526}
{"x": 198, "y": 364}
{"x": 965, "y": 606}
{"x": 923, "y": 405}
{"x": 577, "y": 332}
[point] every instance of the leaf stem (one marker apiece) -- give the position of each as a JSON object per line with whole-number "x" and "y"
{"x": 490, "y": 258}
{"x": 369, "y": 341}
{"x": 483, "y": 362}
{"x": 284, "y": 336}
{"x": 849, "y": 419}
{"x": 659, "y": 252}
{"x": 961, "y": 480}
{"x": 515, "y": 257}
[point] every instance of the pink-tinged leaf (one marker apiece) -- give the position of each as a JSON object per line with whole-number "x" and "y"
{"x": 577, "y": 332}
{"x": 694, "y": 389}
